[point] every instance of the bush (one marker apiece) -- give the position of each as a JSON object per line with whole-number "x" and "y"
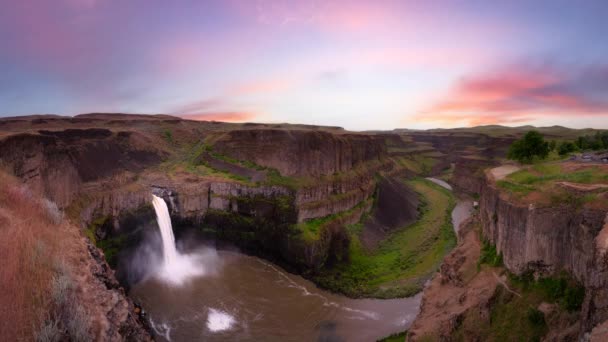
{"x": 530, "y": 146}
{"x": 566, "y": 147}
{"x": 68, "y": 313}
{"x": 49, "y": 331}
{"x": 573, "y": 298}
{"x": 52, "y": 211}
{"x": 489, "y": 255}
{"x": 536, "y": 317}
{"x": 78, "y": 323}
{"x": 168, "y": 135}
{"x": 561, "y": 290}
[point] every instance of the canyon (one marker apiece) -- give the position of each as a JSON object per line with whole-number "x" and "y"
{"x": 315, "y": 200}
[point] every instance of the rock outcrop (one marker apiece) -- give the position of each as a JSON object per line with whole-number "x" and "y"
{"x": 57, "y": 163}
{"x": 548, "y": 239}
{"x": 456, "y": 291}
{"x": 301, "y": 152}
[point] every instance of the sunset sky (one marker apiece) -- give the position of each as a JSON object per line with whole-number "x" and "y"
{"x": 356, "y": 64}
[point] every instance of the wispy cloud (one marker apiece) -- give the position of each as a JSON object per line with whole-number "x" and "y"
{"x": 521, "y": 92}
{"x": 221, "y": 116}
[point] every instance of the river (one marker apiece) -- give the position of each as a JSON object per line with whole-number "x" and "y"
{"x": 463, "y": 208}
{"x": 234, "y": 296}
{"x": 248, "y": 299}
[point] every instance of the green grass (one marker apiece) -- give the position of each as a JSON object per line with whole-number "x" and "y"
{"x": 489, "y": 256}
{"x": 397, "y": 337}
{"x": 542, "y": 178}
{"x": 311, "y": 228}
{"x": 517, "y": 318}
{"x": 402, "y": 262}
{"x": 111, "y": 246}
{"x": 543, "y": 173}
{"x": 418, "y": 164}
{"x": 560, "y": 289}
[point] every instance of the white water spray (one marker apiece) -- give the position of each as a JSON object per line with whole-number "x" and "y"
{"x": 176, "y": 267}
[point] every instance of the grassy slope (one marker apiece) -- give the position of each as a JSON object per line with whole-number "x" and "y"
{"x": 28, "y": 249}
{"x": 540, "y": 180}
{"x": 516, "y": 317}
{"x": 398, "y": 337}
{"x": 401, "y": 264}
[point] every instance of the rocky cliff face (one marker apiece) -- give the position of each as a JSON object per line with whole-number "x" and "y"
{"x": 57, "y": 163}
{"x": 468, "y": 174}
{"x": 550, "y": 239}
{"x": 456, "y": 290}
{"x": 470, "y": 153}
{"x": 299, "y": 152}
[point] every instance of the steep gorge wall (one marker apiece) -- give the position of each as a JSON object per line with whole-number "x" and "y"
{"x": 58, "y": 163}
{"x": 548, "y": 240}
{"x": 301, "y": 152}
{"x": 468, "y": 174}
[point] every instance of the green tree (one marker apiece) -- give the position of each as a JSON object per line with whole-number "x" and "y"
{"x": 566, "y": 147}
{"x": 552, "y": 145}
{"x": 530, "y": 146}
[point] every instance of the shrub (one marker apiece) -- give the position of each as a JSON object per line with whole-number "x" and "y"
{"x": 168, "y": 135}
{"x": 62, "y": 285}
{"x": 52, "y": 211}
{"x": 69, "y": 313}
{"x": 489, "y": 255}
{"x": 573, "y": 298}
{"x": 77, "y": 324}
{"x": 536, "y": 317}
{"x": 49, "y": 331}
{"x": 530, "y": 146}
{"x": 566, "y": 147}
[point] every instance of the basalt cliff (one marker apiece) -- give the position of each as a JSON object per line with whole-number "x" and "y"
{"x": 515, "y": 253}
{"x": 296, "y": 194}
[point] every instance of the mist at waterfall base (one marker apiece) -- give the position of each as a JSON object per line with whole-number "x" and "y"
{"x": 176, "y": 268}
{"x": 191, "y": 291}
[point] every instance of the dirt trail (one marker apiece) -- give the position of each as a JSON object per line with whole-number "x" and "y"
{"x": 583, "y": 187}
{"x": 505, "y": 285}
{"x": 501, "y": 172}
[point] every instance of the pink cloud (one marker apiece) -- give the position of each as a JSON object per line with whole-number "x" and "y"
{"x": 220, "y": 116}
{"x": 519, "y": 94}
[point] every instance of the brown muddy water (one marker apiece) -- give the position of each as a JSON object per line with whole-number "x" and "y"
{"x": 205, "y": 294}
{"x": 244, "y": 298}
{"x": 463, "y": 208}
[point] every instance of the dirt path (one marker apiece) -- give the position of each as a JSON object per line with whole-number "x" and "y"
{"x": 502, "y": 282}
{"x": 501, "y": 172}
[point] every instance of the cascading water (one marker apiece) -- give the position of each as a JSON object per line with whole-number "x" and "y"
{"x": 166, "y": 230}
{"x": 176, "y": 267}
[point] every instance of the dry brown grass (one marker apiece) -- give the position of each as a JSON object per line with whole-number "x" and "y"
{"x": 29, "y": 251}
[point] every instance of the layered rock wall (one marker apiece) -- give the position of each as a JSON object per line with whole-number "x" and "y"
{"x": 301, "y": 152}
{"x": 57, "y": 163}
{"x": 549, "y": 240}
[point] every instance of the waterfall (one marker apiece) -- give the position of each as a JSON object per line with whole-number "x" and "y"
{"x": 176, "y": 268}
{"x": 166, "y": 231}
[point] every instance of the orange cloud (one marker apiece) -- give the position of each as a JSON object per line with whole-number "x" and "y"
{"x": 521, "y": 94}
{"x": 220, "y": 116}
